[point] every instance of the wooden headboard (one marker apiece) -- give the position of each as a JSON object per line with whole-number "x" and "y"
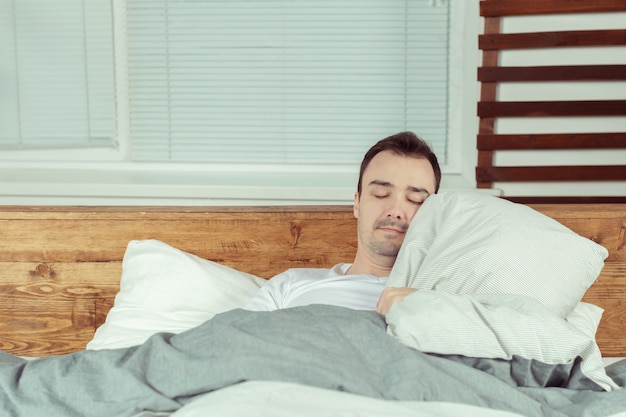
{"x": 60, "y": 266}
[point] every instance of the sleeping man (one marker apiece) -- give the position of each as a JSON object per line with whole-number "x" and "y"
{"x": 397, "y": 175}
{"x": 334, "y": 335}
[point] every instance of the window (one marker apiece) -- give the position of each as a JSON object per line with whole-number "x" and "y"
{"x": 56, "y": 61}
{"x": 212, "y": 99}
{"x": 283, "y": 82}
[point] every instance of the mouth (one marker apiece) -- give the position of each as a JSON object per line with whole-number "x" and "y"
{"x": 391, "y": 230}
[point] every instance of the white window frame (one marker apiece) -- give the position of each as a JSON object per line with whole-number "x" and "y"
{"x": 105, "y": 176}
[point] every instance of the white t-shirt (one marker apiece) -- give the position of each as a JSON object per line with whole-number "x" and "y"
{"x": 305, "y": 286}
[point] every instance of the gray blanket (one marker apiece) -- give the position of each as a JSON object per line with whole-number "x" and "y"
{"x": 322, "y": 346}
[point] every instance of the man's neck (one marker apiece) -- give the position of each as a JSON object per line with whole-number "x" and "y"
{"x": 363, "y": 265}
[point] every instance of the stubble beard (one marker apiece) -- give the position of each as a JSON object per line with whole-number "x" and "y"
{"x": 387, "y": 247}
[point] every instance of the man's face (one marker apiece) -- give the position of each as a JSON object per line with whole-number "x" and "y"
{"x": 393, "y": 189}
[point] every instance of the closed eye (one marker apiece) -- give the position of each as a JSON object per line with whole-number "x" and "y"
{"x": 417, "y": 196}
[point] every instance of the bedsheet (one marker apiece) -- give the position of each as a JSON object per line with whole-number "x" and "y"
{"x": 283, "y": 399}
{"x": 319, "y": 346}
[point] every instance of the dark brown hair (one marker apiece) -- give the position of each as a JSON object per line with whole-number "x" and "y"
{"x": 403, "y": 143}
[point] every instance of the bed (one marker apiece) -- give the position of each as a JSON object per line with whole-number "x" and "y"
{"x": 91, "y": 288}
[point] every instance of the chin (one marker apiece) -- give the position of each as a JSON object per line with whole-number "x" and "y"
{"x": 386, "y": 249}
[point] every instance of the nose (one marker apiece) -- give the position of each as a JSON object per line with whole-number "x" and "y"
{"x": 396, "y": 211}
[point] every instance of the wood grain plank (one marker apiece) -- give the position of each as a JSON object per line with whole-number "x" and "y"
{"x": 490, "y": 58}
{"x": 46, "y": 325}
{"x": 50, "y": 308}
{"x": 560, "y": 39}
{"x": 552, "y": 73}
{"x": 491, "y": 8}
{"x": 41, "y": 278}
{"x": 583, "y": 211}
{"x": 551, "y": 141}
{"x": 551, "y": 173}
{"x": 580, "y": 200}
{"x": 609, "y": 293}
{"x": 15, "y": 212}
{"x": 37, "y": 345}
{"x": 234, "y": 238}
{"x": 610, "y": 336}
{"x": 551, "y": 108}
{"x": 488, "y": 92}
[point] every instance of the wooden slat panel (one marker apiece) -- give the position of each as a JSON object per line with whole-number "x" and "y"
{"x": 551, "y": 108}
{"x": 552, "y": 39}
{"x": 531, "y": 7}
{"x": 491, "y": 75}
{"x": 552, "y": 141}
{"x": 553, "y": 73}
{"x": 552, "y": 173}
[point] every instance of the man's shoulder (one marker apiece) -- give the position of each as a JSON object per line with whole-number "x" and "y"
{"x": 312, "y": 273}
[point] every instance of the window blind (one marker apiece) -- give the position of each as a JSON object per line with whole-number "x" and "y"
{"x": 56, "y": 74}
{"x": 284, "y": 82}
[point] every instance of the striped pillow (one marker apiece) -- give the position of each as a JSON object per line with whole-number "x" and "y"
{"x": 497, "y": 326}
{"x": 471, "y": 243}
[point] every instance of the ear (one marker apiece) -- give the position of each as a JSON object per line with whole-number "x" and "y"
{"x": 355, "y": 208}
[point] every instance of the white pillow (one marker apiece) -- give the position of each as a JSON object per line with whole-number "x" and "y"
{"x": 586, "y": 318}
{"x": 164, "y": 289}
{"x": 471, "y": 243}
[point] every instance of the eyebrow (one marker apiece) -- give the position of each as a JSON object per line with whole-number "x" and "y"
{"x": 388, "y": 184}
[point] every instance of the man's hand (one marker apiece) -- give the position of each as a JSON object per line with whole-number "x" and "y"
{"x": 391, "y": 295}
